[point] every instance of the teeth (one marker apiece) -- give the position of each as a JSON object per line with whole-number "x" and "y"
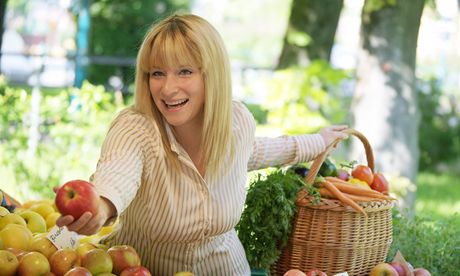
{"x": 175, "y": 103}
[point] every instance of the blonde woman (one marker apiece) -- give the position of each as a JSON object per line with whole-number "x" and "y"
{"x": 173, "y": 167}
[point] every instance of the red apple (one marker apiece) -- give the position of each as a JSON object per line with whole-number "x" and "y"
{"x": 420, "y": 271}
{"x": 383, "y": 269}
{"x": 123, "y": 256}
{"x": 77, "y": 197}
{"x": 64, "y": 260}
{"x": 316, "y": 272}
{"x": 380, "y": 183}
{"x": 78, "y": 271}
{"x": 8, "y": 263}
{"x": 136, "y": 271}
{"x": 399, "y": 268}
{"x": 33, "y": 263}
{"x": 294, "y": 272}
{"x": 97, "y": 261}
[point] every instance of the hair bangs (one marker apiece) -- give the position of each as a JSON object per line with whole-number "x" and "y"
{"x": 173, "y": 49}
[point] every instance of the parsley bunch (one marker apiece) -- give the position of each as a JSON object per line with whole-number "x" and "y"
{"x": 266, "y": 221}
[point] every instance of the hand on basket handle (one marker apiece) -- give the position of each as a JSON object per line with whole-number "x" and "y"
{"x": 333, "y": 133}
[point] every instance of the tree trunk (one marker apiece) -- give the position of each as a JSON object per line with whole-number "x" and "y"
{"x": 2, "y": 19}
{"x": 310, "y": 32}
{"x": 385, "y": 104}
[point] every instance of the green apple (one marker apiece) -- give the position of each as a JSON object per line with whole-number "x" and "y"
{"x": 41, "y": 243}
{"x": 16, "y": 236}
{"x": 83, "y": 248}
{"x": 78, "y": 271}
{"x": 64, "y": 260}
{"x": 97, "y": 261}
{"x": 33, "y": 263}
{"x": 35, "y": 222}
{"x": 3, "y": 211}
{"x": 51, "y": 219}
{"x": 8, "y": 263}
{"x": 43, "y": 208}
{"x": 11, "y": 219}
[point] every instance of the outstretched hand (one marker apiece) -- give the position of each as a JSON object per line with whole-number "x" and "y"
{"x": 332, "y": 133}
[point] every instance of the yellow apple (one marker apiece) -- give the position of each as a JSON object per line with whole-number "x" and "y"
{"x": 184, "y": 273}
{"x": 16, "y": 236}
{"x": 82, "y": 248}
{"x": 51, "y": 219}
{"x": 97, "y": 261}
{"x": 44, "y": 209}
{"x": 35, "y": 222}
{"x": 8, "y": 263}
{"x": 33, "y": 263}
{"x": 11, "y": 219}
{"x": 64, "y": 260}
{"x": 41, "y": 243}
{"x": 3, "y": 211}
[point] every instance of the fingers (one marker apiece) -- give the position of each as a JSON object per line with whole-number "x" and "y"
{"x": 85, "y": 225}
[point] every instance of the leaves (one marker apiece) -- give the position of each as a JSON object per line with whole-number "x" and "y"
{"x": 265, "y": 224}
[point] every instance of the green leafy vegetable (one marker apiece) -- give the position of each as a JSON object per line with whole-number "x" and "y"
{"x": 266, "y": 221}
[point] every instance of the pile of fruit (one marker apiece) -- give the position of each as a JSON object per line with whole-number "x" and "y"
{"x": 27, "y": 249}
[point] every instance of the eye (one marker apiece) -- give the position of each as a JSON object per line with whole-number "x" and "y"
{"x": 157, "y": 73}
{"x": 185, "y": 72}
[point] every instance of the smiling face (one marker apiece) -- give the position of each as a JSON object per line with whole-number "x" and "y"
{"x": 178, "y": 94}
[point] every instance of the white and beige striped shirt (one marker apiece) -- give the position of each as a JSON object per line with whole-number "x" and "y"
{"x": 178, "y": 220}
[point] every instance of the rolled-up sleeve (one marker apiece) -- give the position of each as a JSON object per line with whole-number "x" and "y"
{"x": 120, "y": 167}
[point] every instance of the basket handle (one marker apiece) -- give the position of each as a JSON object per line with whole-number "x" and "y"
{"x": 314, "y": 169}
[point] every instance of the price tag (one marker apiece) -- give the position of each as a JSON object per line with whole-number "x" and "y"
{"x": 61, "y": 237}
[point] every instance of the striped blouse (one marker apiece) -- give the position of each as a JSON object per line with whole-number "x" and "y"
{"x": 178, "y": 220}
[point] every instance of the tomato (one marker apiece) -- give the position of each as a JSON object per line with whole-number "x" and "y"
{"x": 380, "y": 183}
{"x": 363, "y": 173}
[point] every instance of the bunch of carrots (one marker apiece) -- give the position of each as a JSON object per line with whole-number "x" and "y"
{"x": 348, "y": 194}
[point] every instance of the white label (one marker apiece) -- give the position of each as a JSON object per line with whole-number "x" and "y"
{"x": 61, "y": 237}
{"x": 341, "y": 274}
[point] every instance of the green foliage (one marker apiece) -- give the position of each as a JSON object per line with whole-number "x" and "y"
{"x": 312, "y": 95}
{"x": 118, "y": 28}
{"x": 439, "y": 134}
{"x": 266, "y": 221}
{"x": 259, "y": 113}
{"x": 71, "y": 131}
{"x": 433, "y": 244}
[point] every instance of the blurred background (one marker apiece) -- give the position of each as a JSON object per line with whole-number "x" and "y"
{"x": 387, "y": 68}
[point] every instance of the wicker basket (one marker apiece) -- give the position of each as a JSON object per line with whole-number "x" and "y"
{"x": 333, "y": 237}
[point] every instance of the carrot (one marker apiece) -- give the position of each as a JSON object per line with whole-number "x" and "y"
{"x": 355, "y": 190}
{"x": 327, "y": 194}
{"x": 342, "y": 197}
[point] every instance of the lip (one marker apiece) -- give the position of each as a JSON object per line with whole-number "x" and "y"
{"x": 175, "y": 105}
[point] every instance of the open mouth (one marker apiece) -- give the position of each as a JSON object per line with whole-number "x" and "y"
{"x": 175, "y": 104}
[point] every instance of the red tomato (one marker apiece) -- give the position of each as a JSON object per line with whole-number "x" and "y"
{"x": 363, "y": 173}
{"x": 380, "y": 183}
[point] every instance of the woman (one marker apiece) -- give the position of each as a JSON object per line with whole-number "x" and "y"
{"x": 173, "y": 167}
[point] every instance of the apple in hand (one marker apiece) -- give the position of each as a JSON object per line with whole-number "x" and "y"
{"x": 380, "y": 183}
{"x": 78, "y": 271}
{"x": 33, "y": 263}
{"x": 420, "y": 271}
{"x": 399, "y": 268}
{"x": 8, "y": 263}
{"x": 77, "y": 197}
{"x": 383, "y": 269}
{"x": 316, "y": 272}
{"x": 123, "y": 256}
{"x": 97, "y": 261}
{"x": 64, "y": 260}
{"x": 136, "y": 271}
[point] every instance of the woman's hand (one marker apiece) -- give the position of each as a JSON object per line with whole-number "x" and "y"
{"x": 89, "y": 224}
{"x": 332, "y": 133}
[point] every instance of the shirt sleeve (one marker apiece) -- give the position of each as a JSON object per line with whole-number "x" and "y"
{"x": 123, "y": 155}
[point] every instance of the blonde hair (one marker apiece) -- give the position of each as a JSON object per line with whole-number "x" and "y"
{"x": 193, "y": 40}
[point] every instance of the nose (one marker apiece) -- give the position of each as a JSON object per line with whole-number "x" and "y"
{"x": 170, "y": 85}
